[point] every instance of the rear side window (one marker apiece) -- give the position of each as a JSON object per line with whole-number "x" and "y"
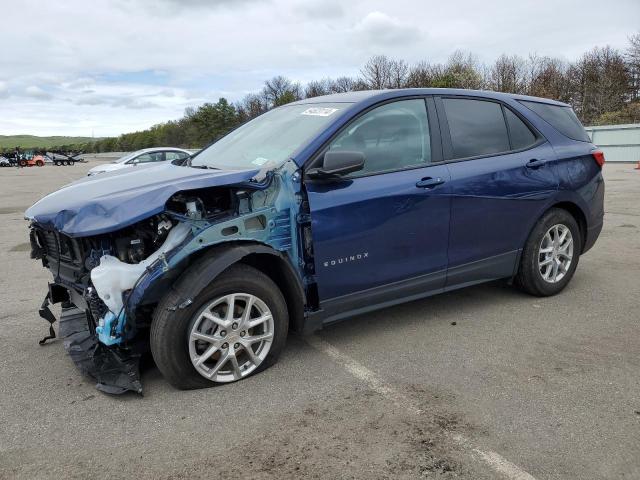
{"x": 561, "y": 118}
{"x": 477, "y": 127}
{"x": 521, "y": 135}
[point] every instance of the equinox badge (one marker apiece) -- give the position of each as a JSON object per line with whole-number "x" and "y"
{"x": 350, "y": 258}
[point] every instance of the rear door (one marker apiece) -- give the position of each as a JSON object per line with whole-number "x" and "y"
{"x": 381, "y": 234}
{"x": 502, "y": 175}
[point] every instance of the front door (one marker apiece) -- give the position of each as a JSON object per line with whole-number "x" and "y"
{"x": 381, "y": 234}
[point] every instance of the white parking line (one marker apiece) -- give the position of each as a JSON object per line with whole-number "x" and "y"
{"x": 355, "y": 368}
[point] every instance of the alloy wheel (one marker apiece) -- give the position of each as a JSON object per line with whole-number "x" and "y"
{"x": 230, "y": 337}
{"x": 555, "y": 253}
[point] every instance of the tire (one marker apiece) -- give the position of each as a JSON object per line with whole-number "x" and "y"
{"x": 23, "y": 163}
{"x": 57, "y": 163}
{"x": 541, "y": 249}
{"x": 40, "y": 163}
{"x": 172, "y": 346}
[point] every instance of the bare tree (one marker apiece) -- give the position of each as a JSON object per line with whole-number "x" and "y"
{"x": 398, "y": 74}
{"x": 632, "y": 56}
{"x": 423, "y": 75}
{"x": 508, "y": 74}
{"x": 548, "y": 77}
{"x": 377, "y": 72}
{"x": 342, "y": 84}
{"x": 600, "y": 82}
{"x": 280, "y": 90}
{"x": 317, "y": 88}
{"x": 250, "y": 107}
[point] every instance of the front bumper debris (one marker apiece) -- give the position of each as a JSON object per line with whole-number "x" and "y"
{"x": 115, "y": 370}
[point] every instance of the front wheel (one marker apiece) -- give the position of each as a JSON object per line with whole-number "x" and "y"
{"x": 550, "y": 256}
{"x": 235, "y": 327}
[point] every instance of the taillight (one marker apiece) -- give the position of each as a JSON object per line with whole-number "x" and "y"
{"x": 598, "y": 156}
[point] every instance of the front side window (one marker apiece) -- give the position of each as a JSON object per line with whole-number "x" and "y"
{"x": 392, "y": 136}
{"x": 477, "y": 127}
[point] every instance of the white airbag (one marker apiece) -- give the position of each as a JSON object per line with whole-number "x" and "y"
{"x": 112, "y": 277}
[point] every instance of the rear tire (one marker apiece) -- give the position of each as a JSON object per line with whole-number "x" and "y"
{"x": 40, "y": 163}
{"x": 550, "y": 256}
{"x": 173, "y": 330}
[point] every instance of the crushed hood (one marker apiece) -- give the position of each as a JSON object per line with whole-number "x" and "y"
{"x": 111, "y": 201}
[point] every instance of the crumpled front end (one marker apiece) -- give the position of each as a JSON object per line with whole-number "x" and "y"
{"x": 109, "y": 283}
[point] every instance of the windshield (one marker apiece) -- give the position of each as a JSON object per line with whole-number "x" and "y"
{"x": 269, "y": 139}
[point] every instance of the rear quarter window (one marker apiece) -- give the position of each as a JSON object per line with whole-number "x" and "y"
{"x": 561, "y": 118}
{"x": 521, "y": 135}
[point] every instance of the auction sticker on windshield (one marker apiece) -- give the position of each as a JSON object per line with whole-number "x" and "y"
{"x": 319, "y": 112}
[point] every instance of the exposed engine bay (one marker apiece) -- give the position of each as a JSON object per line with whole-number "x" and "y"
{"x": 116, "y": 278}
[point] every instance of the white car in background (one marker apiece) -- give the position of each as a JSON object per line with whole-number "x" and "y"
{"x": 146, "y": 155}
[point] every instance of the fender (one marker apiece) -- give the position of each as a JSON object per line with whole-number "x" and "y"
{"x": 565, "y": 197}
{"x": 220, "y": 257}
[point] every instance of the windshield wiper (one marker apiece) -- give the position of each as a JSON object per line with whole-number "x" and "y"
{"x": 205, "y": 167}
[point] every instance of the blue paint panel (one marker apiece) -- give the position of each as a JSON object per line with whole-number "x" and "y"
{"x": 403, "y": 230}
{"x": 111, "y": 201}
{"x": 495, "y": 202}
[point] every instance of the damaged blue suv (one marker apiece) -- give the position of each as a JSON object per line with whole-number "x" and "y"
{"x": 311, "y": 213}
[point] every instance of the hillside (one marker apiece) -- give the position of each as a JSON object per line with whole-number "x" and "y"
{"x": 31, "y": 141}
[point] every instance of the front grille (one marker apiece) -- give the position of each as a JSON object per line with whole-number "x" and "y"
{"x": 59, "y": 246}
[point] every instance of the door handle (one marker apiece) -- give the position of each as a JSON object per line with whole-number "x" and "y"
{"x": 429, "y": 182}
{"x": 535, "y": 163}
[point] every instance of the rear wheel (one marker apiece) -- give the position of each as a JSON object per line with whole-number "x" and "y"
{"x": 23, "y": 163}
{"x": 235, "y": 327}
{"x": 550, "y": 256}
{"x": 40, "y": 163}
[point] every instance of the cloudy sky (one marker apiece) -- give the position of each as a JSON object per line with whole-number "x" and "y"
{"x": 106, "y": 67}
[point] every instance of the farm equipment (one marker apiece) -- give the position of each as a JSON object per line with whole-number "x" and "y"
{"x": 35, "y": 161}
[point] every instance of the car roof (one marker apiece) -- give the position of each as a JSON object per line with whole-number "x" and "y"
{"x": 370, "y": 96}
{"x": 161, "y": 149}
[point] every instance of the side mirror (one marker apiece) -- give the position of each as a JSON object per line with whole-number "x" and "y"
{"x": 336, "y": 164}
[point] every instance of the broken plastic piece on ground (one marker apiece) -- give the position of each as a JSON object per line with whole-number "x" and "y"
{"x": 45, "y": 313}
{"x": 115, "y": 370}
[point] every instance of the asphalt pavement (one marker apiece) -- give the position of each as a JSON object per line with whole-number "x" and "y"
{"x": 485, "y": 382}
